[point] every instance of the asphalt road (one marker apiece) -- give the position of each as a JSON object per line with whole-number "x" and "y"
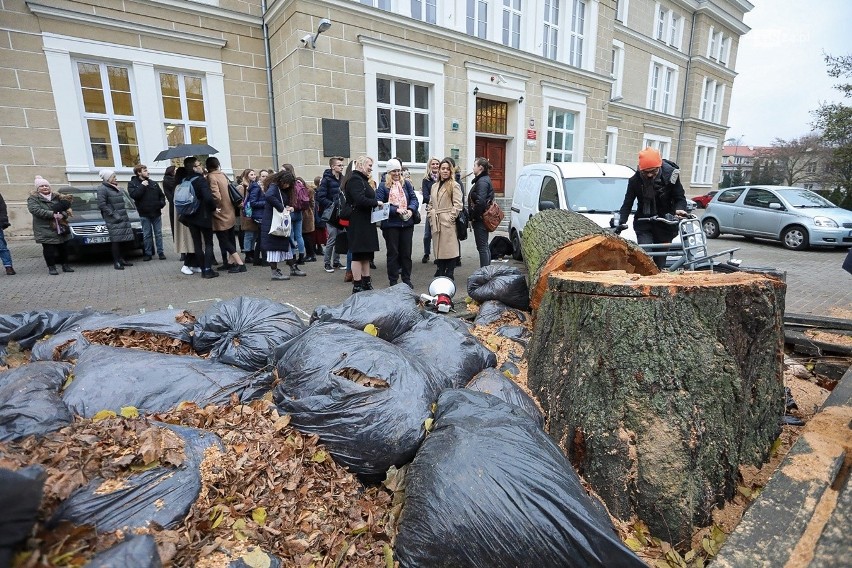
{"x": 816, "y": 282}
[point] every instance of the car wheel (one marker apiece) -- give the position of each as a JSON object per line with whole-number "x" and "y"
{"x": 516, "y": 246}
{"x": 711, "y": 228}
{"x": 795, "y": 238}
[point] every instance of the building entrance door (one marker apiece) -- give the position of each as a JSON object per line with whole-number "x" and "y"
{"x": 494, "y": 150}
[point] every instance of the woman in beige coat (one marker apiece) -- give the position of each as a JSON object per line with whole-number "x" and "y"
{"x": 445, "y": 203}
{"x": 224, "y": 217}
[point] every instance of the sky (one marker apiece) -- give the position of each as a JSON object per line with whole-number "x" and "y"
{"x": 781, "y": 73}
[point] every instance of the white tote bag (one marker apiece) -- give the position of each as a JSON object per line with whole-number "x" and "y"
{"x": 281, "y": 225}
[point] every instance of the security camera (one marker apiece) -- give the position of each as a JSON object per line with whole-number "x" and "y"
{"x": 307, "y": 40}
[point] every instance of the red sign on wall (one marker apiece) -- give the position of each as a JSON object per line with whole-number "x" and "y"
{"x": 531, "y": 134}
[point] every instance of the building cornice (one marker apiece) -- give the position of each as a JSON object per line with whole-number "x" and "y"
{"x": 569, "y": 88}
{"x": 670, "y": 52}
{"x": 704, "y": 124}
{"x": 208, "y": 11}
{"x": 371, "y": 41}
{"x": 720, "y": 15}
{"x": 717, "y": 67}
{"x": 77, "y": 18}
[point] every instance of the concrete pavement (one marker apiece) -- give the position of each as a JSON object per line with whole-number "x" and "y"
{"x": 816, "y": 282}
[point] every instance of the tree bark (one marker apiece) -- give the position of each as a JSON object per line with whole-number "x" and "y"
{"x": 659, "y": 387}
{"x": 557, "y": 240}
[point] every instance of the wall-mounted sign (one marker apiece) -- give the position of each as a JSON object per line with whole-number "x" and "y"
{"x": 532, "y": 134}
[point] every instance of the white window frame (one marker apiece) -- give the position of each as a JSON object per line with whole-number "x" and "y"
{"x": 550, "y": 39}
{"x": 551, "y": 131}
{"x": 511, "y": 15}
{"x": 668, "y": 26}
{"x": 621, "y": 9}
{"x": 185, "y": 122}
{"x": 663, "y": 144}
{"x": 422, "y": 12}
{"x": 661, "y": 17}
{"x": 479, "y": 19}
{"x": 554, "y": 96}
{"x": 409, "y": 65}
{"x": 611, "y": 145}
{"x": 412, "y": 137}
{"x": 617, "y": 68}
{"x": 719, "y": 47}
{"x": 577, "y": 32}
{"x": 718, "y": 101}
{"x": 61, "y": 52}
{"x": 704, "y": 162}
{"x": 663, "y": 79}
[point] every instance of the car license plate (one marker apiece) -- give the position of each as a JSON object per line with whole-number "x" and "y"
{"x": 95, "y": 240}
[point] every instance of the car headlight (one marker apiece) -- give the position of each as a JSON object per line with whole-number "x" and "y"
{"x": 136, "y": 225}
{"x": 825, "y": 222}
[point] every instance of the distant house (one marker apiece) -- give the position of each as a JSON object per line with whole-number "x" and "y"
{"x": 738, "y": 158}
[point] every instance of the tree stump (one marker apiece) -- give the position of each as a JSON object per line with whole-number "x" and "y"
{"x": 556, "y": 240}
{"x": 659, "y": 387}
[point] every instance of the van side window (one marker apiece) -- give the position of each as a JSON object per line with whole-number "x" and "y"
{"x": 549, "y": 191}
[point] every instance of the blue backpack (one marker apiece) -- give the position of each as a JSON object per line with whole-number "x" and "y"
{"x": 186, "y": 202}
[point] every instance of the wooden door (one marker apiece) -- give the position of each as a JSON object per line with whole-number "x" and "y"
{"x": 494, "y": 150}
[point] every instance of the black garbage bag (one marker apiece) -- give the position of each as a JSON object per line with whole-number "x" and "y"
{"x": 392, "y": 310}
{"x": 138, "y": 551}
{"x": 488, "y": 488}
{"x": 30, "y": 403}
{"x": 243, "y": 331}
{"x": 20, "y": 499}
{"x": 28, "y": 327}
{"x": 366, "y": 398}
{"x": 108, "y": 378}
{"x": 504, "y": 283}
{"x": 162, "y": 495}
{"x": 496, "y": 383}
{"x": 447, "y": 343}
{"x": 68, "y": 343}
{"x": 499, "y": 247}
{"x": 492, "y": 310}
{"x": 517, "y": 333}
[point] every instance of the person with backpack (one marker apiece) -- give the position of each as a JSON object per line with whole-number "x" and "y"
{"x": 114, "y": 213}
{"x": 224, "y": 217}
{"x": 150, "y": 200}
{"x": 657, "y": 188}
{"x": 328, "y": 193}
{"x": 301, "y": 202}
{"x": 199, "y": 218}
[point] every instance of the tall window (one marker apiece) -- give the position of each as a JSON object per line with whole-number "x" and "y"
{"x": 668, "y": 27}
{"x": 425, "y": 10}
{"x": 512, "y": 23}
{"x": 718, "y": 47}
{"x": 705, "y": 160}
{"x": 578, "y": 25}
{"x": 108, "y": 112}
{"x": 711, "y": 100}
{"x": 402, "y": 117}
{"x": 662, "y": 81}
{"x": 560, "y": 135}
{"x": 477, "y": 18}
{"x": 617, "y": 68}
{"x": 551, "y": 28}
{"x": 184, "y": 118}
{"x": 611, "y": 145}
{"x": 381, "y": 4}
{"x": 621, "y": 10}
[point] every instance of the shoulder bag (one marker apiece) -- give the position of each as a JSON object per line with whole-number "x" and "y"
{"x": 462, "y": 222}
{"x": 281, "y": 224}
{"x": 492, "y": 217}
{"x": 234, "y": 194}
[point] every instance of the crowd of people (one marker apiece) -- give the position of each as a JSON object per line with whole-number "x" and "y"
{"x": 241, "y": 223}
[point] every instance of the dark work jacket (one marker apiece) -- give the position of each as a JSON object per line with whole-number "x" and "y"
{"x": 669, "y": 196}
{"x": 273, "y": 202}
{"x": 257, "y": 200}
{"x": 169, "y": 188}
{"x": 362, "y": 234}
{"x": 149, "y": 200}
{"x": 426, "y": 188}
{"x": 481, "y": 195}
{"x": 203, "y": 217}
{"x": 328, "y": 190}
{"x": 395, "y": 220}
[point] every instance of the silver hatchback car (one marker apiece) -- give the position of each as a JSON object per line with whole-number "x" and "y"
{"x": 797, "y": 217}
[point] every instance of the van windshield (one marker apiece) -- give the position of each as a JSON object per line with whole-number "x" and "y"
{"x": 594, "y": 195}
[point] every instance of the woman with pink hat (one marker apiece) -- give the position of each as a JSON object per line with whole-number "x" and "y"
{"x": 50, "y": 213}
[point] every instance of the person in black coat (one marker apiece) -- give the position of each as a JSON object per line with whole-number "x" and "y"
{"x": 481, "y": 196}
{"x": 200, "y": 223}
{"x": 363, "y": 238}
{"x": 429, "y": 179}
{"x": 150, "y": 200}
{"x": 278, "y": 193}
{"x": 169, "y": 191}
{"x": 327, "y": 193}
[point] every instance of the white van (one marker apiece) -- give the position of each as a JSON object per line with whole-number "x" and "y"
{"x": 595, "y": 190}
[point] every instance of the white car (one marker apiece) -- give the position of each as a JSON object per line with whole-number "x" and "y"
{"x": 594, "y": 190}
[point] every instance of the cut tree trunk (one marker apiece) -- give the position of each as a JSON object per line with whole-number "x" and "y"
{"x": 556, "y": 240}
{"x": 659, "y": 387}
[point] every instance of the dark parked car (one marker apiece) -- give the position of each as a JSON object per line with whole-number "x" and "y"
{"x": 703, "y": 200}
{"x": 797, "y": 217}
{"x": 88, "y": 230}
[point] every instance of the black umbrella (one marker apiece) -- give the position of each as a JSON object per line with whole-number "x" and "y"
{"x": 184, "y": 150}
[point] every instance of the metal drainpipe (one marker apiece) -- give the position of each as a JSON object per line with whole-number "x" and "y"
{"x": 273, "y": 128}
{"x": 685, "y": 90}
